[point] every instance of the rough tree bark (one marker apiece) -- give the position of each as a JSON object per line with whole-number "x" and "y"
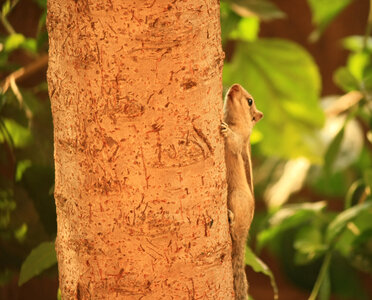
{"x": 140, "y": 182}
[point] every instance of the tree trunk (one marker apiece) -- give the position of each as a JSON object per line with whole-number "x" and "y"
{"x": 140, "y": 183}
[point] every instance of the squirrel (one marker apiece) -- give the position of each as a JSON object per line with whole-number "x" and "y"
{"x": 240, "y": 115}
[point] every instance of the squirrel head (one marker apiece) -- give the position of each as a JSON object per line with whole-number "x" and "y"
{"x": 240, "y": 109}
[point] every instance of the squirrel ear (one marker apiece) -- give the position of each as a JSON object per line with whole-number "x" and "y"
{"x": 258, "y": 115}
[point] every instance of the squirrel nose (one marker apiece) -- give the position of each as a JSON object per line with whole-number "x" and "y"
{"x": 258, "y": 116}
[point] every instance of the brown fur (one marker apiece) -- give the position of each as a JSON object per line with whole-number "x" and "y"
{"x": 239, "y": 119}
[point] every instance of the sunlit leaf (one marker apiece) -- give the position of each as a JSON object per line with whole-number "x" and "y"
{"x": 246, "y": 30}
{"x": 21, "y": 136}
{"x": 265, "y": 9}
{"x": 260, "y": 267}
{"x": 256, "y": 136}
{"x": 20, "y": 233}
{"x": 333, "y": 150}
{"x": 323, "y": 12}
{"x": 40, "y": 259}
{"x": 21, "y": 167}
{"x": 339, "y": 223}
{"x": 6, "y": 8}
{"x": 13, "y": 42}
{"x": 357, "y": 64}
{"x": 355, "y": 43}
{"x": 285, "y": 82}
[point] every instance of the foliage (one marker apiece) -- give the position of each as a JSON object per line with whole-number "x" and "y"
{"x": 260, "y": 267}
{"x": 27, "y": 210}
{"x": 319, "y": 248}
{"x": 40, "y": 259}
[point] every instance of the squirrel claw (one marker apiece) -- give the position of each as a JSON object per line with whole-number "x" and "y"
{"x": 224, "y": 128}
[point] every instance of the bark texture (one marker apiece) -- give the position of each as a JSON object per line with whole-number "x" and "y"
{"x": 140, "y": 183}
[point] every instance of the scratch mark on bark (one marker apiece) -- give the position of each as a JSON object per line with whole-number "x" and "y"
{"x": 145, "y": 169}
{"x": 204, "y": 138}
{"x": 148, "y": 100}
{"x": 152, "y": 4}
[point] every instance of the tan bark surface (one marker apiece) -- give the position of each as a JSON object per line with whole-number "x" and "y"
{"x": 140, "y": 178}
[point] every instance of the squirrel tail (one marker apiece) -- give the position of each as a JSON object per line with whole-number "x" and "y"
{"x": 240, "y": 278}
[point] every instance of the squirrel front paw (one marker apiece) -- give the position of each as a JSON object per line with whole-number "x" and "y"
{"x": 224, "y": 127}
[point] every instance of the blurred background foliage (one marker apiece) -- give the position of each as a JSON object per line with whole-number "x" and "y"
{"x": 311, "y": 152}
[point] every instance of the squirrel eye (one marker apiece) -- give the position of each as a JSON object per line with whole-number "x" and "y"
{"x": 250, "y": 101}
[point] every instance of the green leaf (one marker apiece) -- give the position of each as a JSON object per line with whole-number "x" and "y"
{"x": 229, "y": 21}
{"x": 357, "y": 64}
{"x": 336, "y": 227}
{"x": 22, "y": 165}
{"x": 322, "y": 276}
{"x": 285, "y": 82}
{"x": 354, "y": 193}
{"x": 355, "y": 43}
{"x": 256, "y": 136}
{"x": 323, "y": 12}
{"x": 260, "y": 267}
{"x": 20, "y": 233}
{"x": 6, "y": 8}
{"x": 288, "y": 217}
{"x": 309, "y": 244}
{"x": 361, "y": 255}
{"x": 41, "y": 258}
{"x": 345, "y": 80}
{"x": 352, "y": 238}
{"x": 265, "y": 9}
{"x": 325, "y": 287}
{"x": 30, "y": 45}
{"x": 368, "y": 178}
{"x": 21, "y": 136}
{"x": 346, "y": 282}
{"x": 41, "y": 3}
{"x": 13, "y": 42}
{"x": 246, "y": 30}
{"x": 7, "y": 205}
{"x": 333, "y": 150}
